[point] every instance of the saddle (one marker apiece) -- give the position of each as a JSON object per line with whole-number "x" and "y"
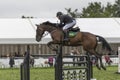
{"x": 76, "y": 29}
{"x": 72, "y": 32}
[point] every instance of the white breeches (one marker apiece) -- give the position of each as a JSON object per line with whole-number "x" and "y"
{"x": 69, "y": 25}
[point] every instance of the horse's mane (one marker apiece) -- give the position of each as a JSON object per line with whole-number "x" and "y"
{"x": 49, "y": 23}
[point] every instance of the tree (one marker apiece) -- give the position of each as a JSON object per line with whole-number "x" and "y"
{"x": 97, "y": 10}
{"x": 93, "y": 10}
{"x": 72, "y": 13}
{"x": 108, "y": 10}
{"x": 116, "y": 7}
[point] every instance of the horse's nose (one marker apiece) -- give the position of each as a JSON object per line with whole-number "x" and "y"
{"x": 37, "y": 40}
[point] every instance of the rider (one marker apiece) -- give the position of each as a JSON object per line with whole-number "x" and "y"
{"x": 66, "y": 22}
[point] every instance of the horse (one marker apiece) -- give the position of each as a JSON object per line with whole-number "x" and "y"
{"x": 88, "y": 40}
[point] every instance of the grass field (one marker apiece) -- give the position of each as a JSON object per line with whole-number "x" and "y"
{"x": 48, "y": 74}
{"x": 109, "y": 74}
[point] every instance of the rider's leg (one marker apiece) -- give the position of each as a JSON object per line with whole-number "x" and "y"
{"x": 65, "y": 35}
{"x": 66, "y": 27}
{"x": 69, "y": 25}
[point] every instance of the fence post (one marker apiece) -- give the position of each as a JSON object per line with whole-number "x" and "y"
{"x": 119, "y": 60}
{"x": 24, "y": 67}
{"x": 89, "y": 66}
{"x": 58, "y": 64}
{"x": 28, "y": 63}
{"x": 21, "y": 71}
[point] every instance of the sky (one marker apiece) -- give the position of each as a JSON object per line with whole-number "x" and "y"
{"x": 41, "y": 8}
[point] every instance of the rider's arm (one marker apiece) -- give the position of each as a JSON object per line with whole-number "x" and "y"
{"x": 61, "y": 24}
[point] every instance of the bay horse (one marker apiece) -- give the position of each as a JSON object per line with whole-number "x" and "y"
{"x": 87, "y": 40}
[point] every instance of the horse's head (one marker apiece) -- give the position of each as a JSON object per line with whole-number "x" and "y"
{"x": 45, "y": 26}
{"x": 39, "y": 32}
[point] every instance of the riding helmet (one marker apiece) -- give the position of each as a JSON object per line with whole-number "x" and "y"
{"x": 59, "y": 14}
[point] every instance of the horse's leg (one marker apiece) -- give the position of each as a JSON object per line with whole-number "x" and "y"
{"x": 49, "y": 44}
{"x": 101, "y": 63}
{"x": 96, "y": 63}
{"x": 93, "y": 52}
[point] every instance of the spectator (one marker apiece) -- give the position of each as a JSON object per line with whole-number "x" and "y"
{"x": 32, "y": 61}
{"x": 50, "y": 61}
{"x": 11, "y": 61}
{"x": 93, "y": 59}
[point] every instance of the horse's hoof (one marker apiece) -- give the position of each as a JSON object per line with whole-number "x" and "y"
{"x": 104, "y": 68}
{"x": 98, "y": 67}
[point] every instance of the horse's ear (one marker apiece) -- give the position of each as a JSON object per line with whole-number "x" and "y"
{"x": 46, "y": 23}
{"x": 37, "y": 25}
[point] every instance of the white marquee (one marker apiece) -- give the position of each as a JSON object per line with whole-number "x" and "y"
{"x": 22, "y": 31}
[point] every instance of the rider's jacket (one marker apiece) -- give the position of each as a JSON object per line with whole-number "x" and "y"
{"x": 65, "y": 19}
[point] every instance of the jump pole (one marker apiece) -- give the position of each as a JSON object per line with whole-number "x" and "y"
{"x": 118, "y": 60}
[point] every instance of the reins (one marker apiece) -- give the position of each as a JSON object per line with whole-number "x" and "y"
{"x": 48, "y": 31}
{"x": 45, "y": 34}
{"x": 53, "y": 31}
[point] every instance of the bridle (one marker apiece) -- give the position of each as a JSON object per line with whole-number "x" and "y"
{"x": 45, "y": 34}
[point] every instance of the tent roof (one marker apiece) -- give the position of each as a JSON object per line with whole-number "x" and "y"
{"x": 16, "y": 28}
{"x": 22, "y": 31}
{"x": 106, "y": 27}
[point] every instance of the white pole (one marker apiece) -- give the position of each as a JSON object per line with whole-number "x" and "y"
{"x": 93, "y": 79}
{"x": 118, "y": 59}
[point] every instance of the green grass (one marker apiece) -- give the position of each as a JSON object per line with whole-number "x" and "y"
{"x": 42, "y": 74}
{"x": 48, "y": 74}
{"x": 109, "y": 74}
{"x": 9, "y": 74}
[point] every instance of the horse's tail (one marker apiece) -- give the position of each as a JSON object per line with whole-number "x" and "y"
{"x": 104, "y": 43}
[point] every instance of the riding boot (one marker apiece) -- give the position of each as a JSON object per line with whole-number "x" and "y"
{"x": 65, "y": 35}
